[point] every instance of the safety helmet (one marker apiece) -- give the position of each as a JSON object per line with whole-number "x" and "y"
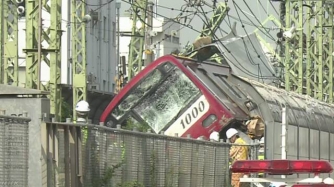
{"x": 82, "y": 106}
{"x": 231, "y": 132}
{"x": 262, "y": 140}
{"x": 214, "y": 136}
{"x": 328, "y": 181}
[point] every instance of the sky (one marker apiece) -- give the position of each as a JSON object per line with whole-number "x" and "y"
{"x": 252, "y": 13}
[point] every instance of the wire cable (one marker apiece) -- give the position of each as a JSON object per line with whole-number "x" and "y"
{"x": 244, "y": 71}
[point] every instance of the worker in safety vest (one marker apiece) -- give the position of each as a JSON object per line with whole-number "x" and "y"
{"x": 261, "y": 153}
{"x": 237, "y": 152}
{"x": 82, "y": 109}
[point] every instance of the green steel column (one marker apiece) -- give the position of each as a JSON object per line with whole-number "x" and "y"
{"x": 54, "y": 41}
{"x": 309, "y": 46}
{"x": 136, "y": 47}
{"x": 329, "y": 24}
{"x": 78, "y": 53}
{"x": 318, "y": 28}
{"x": 50, "y": 53}
{"x": 31, "y": 44}
{"x": 10, "y": 41}
{"x": 293, "y": 61}
{"x": 1, "y": 40}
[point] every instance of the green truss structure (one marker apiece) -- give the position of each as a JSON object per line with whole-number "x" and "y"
{"x": 136, "y": 47}
{"x": 50, "y": 53}
{"x": 78, "y": 53}
{"x": 9, "y": 41}
{"x": 309, "y": 54}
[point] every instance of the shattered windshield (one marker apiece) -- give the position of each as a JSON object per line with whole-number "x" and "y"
{"x": 173, "y": 91}
{"x": 161, "y": 106}
{"x": 137, "y": 93}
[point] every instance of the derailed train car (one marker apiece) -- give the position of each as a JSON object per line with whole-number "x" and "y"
{"x": 180, "y": 96}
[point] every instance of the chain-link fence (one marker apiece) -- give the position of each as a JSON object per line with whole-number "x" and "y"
{"x": 119, "y": 158}
{"x": 14, "y": 150}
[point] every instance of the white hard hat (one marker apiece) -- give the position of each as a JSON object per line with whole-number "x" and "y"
{"x": 231, "y": 132}
{"x": 262, "y": 140}
{"x": 82, "y": 106}
{"x": 214, "y": 136}
{"x": 328, "y": 181}
{"x": 277, "y": 184}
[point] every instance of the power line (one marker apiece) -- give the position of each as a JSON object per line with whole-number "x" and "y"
{"x": 244, "y": 71}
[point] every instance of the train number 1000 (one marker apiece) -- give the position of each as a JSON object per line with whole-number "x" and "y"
{"x": 192, "y": 114}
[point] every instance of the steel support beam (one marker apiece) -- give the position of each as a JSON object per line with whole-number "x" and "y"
{"x": 136, "y": 47}
{"x": 309, "y": 54}
{"x": 1, "y": 41}
{"x": 50, "y": 50}
{"x": 9, "y": 50}
{"x": 78, "y": 53}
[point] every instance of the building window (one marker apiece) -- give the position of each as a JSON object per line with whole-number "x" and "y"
{"x": 105, "y": 29}
{"x": 175, "y": 40}
{"x": 168, "y": 38}
{"x": 114, "y": 33}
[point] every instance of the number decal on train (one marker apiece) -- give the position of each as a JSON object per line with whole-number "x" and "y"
{"x": 189, "y": 117}
{"x": 192, "y": 114}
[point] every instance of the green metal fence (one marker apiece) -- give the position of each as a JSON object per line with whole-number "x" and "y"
{"x": 116, "y": 157}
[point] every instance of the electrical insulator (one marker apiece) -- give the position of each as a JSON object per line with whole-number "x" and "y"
{"x": 21, "y": 6}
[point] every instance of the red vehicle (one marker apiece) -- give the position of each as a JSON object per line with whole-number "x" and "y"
{"x": 169, "y": 96}
{"x": 183, "y": 96}
{"x": 286, "y": 168}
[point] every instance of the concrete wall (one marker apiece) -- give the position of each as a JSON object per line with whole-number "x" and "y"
{"x": 101, "y": 46}
{"x": 35, "y": 108}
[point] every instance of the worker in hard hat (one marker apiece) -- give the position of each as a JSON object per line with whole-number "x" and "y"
{"x": 261, "y": 153}
{"x": 237, "y": 152}
{"x": 214, "y": 136}
{"x": 82, "y": 109}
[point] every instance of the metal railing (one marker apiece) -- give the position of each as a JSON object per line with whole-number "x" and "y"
{"x": 115, "y": 157}
{"x": 14, "y": 150}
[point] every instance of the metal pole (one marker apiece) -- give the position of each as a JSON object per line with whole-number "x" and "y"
{"x": 39, "y": 44}
{"x": 118, "y": 6}
{"x": 148, "y": 37}
{"x": 284, "y": 122}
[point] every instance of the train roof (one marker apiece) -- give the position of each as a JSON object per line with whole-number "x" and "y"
{"x": 302, "y": 110}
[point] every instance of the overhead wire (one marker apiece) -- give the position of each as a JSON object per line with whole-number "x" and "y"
{"x": 103, "y": 4}
{"x": 244, "y": 71}
{"x": 267, "y": 34}
{"x": 252, "y": 44}
{"x": 184, "y": 25}
{"x": 99, "y": 6}
{"x": 167, "y": 18}
{"x": 246, "y": 49}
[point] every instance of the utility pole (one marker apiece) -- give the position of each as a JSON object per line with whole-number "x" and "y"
{"x": 118, "y": 7}
{"x": 39, "y": 44}
{"x": 78, "y": 53}
{"x": 9, "y": 65}
{"x": 136, "y": 47}
{"x": 212, "y": 26}
{"x": 35, "y": 54}
{"x": 148, "y": 35}
{"x": 309, "y": 51}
